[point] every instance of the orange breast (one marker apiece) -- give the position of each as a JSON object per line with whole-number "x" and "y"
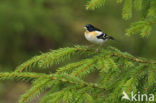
{"x": 92, "y": 34}
{"x": 86, "y": 32}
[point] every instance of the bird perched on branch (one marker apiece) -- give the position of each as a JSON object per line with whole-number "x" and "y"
{"x": 95, "y": 35}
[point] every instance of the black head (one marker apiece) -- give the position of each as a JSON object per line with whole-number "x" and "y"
{"x": 90, "y": 28}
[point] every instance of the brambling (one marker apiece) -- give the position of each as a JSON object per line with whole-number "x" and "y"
{"x": 95, "y": 35}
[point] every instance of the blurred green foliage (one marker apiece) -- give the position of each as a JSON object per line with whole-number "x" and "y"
{"x": 28, "y": 27}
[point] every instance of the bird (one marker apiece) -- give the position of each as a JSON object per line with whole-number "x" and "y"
{"x": 95, "y": 35}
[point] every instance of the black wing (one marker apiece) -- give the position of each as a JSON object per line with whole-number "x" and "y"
{"x": 104, "y": 37}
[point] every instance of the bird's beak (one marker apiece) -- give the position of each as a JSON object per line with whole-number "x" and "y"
{"x": 85, "y": 28}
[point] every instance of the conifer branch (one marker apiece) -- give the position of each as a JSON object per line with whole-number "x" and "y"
{"x": 77, "y": 72}
{"x": 138, "y": 4}
{"x": 35, "y": 90}
{"x": 95, "y": 4}
{"x": 127, "y": 9}
{"x": 7, "y": 75}
{"x": 146, "y": 7}
{"x": 134, "y": 59}
{"x": 48, "y": 59}
{"x": 134, "y": 77}
{"x": 118, "y": 71}
{"x": 58, "y": 77}
{"x": 152, "y": 9}
{"x": 143, "y": 27}
{"x": 70, "y": 67}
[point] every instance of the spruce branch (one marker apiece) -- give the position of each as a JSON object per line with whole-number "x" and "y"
{"x": 151, "y": 75}
{"x": 117, "y": 71}
{"x": 67, "y": 95}
{"x": 152, "y": 9}
{"x": 143, "y": 27}
{"x": 130, "y": 82}
{"x": 60, "y": 77}
{"x": 59, "y": 56}
{"x": 68, "y": 68}
{"x": 134, "y": 59}
{"x": 145, "y": 8}
{"x": 92, "y": 4}
{"x": 138, "y": 4}
{"x": 36, "y": 89}
{"x": 147, "y": 15}
{"x": 50, "y": 58}
{"x": 12, "y": 75}
{"x": 127, "y": 9}
{"x": 83, "y": 69}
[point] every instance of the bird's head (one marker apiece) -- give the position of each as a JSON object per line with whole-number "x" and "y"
{"x": 89, "y": 27}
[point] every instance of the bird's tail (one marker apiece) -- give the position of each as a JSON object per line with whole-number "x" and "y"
{"x": 110, "y": 38}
